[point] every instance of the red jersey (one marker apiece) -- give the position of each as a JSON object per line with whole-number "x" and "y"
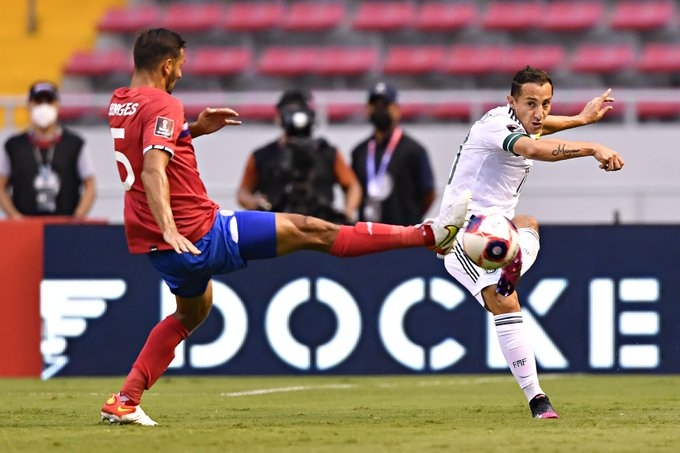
{"x": 147, "y": 118}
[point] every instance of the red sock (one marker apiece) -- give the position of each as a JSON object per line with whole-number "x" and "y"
{"x": 153, "y": 359}
{"x": 369, "y": 237}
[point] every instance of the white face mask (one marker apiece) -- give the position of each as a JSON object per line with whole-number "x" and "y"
{"x": 43, "y": 115}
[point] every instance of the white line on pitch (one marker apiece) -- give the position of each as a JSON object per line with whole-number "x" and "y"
{"x": 295, "y": 388}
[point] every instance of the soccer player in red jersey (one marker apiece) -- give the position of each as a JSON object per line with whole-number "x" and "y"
{"x": 188, "y": 239}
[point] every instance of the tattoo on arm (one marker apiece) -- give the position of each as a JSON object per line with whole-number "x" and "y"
{"x": 564, "y": 150}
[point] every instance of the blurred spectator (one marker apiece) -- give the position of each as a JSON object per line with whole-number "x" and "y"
{"x": 45, "y": 170}
{"x": 394, "y": 170}
{"x": 297, "y": 173}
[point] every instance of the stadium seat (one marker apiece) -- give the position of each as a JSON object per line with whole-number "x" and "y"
{"x": 246, "y": 112}
{"x": 287, "y": 61}
{"x": 642, "y": 16}
{"x": 192, "y": 17}
{"x": 511, "y": 16}
{"x": 412, "y": 110}
{"x": 466, "y": 59}
{"x": 567, "y": 16}
{"x": 659, "y": 58}
{"x": 313, "y": 16}
{"x": 411, "y": 60}
{"x": 129, "y": 20}
{"x": 383, "y": 16}
{"x": 547, "y": 57}
{"x": 649, "y": 111}
{"x": 451, "y": 111}
{"x": 602, "y": 58}
{"x": 218, "y": 61}
{"x": 338, "y": 112}
{"x": 253, "y": 16}
{"x": 99, "y": 63}
{"x": 345, "y": 61}
{"x": 441, "y": 16}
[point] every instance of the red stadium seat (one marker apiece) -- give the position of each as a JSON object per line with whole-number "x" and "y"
{"x": 443, "y": 16}
{"x": 383, "y": 16}
{"x": 657, "y": 57}
{"x": 99, "y": 63}
{"x": 253, "y": 17}
{"x": 345, "y": 61}
{"x": 312, "y": 16}
{"x": 342, "y": 111}
{"x": 647, "y": 111}
{"x": 412, "y": 110}
{"x": 452, "y": 111}
{"x": 570, "y": 16}
{"x": 547, "y": 57}
{"x": 641, "y": 16}
{"x": 473, "y": 60}
{"x": 410, "y": 60}
{"x": 602, "y": 58}
{"x": 192, "y": 17}
{"x": 129, "y": 20}
{"x": 511, "y": 16}
{"x": 246, "y": 112}
{"x": 218, "y": 61}
{"x": 287, "y": 61}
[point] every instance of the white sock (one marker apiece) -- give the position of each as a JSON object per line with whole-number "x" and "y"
{"x": 530, "y": 244}
{"x": 518, "y": 352}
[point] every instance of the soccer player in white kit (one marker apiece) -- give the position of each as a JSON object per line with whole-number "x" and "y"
{"x": 493, "y": 163}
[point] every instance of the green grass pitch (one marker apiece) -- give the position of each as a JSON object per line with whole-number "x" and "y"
{"x": 428, "y": 413}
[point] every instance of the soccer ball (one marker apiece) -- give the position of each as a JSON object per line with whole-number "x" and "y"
{"x": 490, "y": 241}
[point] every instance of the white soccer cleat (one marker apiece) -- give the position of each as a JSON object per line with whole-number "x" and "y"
{"x": 114, "y": 411}
{"x": 445, "y": 227}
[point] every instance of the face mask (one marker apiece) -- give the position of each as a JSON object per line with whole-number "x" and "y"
{"x": 43, "y": 115}
{"x": 381, "y": 119}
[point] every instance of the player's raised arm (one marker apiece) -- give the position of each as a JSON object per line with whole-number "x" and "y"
{"x": 213, "y": 119}
{"x": 592, "y": 112}
{"x": 554, "y": 150}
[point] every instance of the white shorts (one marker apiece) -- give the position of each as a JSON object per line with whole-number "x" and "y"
{"x": 474, "y": 278}
{"x": 468, "y": 274}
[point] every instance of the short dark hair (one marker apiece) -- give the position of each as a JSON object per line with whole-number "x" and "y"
{"x": 154, "y": 45}
{"x": 528, "y": 75}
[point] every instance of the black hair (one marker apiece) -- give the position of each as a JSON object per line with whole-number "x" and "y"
{"x": 528, "y": 75}
{"x": 154, "y": 45}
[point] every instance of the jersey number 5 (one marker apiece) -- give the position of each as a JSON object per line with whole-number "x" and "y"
{"x": 129, "y": 180}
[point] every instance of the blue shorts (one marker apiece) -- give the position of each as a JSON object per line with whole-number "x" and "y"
{"x": 234, "y": 238}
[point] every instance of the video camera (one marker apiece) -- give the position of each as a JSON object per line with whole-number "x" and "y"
{"x": 296, "y": 114}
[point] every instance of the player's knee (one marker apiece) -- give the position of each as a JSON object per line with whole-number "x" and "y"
{"x": 498, "y": 304}
{"x": 525, "y": 221}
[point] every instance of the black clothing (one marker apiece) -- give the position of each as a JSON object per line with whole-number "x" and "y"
{"x": 23, "y": 157}
{"x": 411, "y": 174}
{"x": 298, "y": 177}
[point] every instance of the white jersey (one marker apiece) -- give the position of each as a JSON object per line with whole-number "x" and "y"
{"x": 486, "y": 165}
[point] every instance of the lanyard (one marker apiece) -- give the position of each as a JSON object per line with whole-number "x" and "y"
{"x": 49, "y": 156}
{"x": 375, "y": 180}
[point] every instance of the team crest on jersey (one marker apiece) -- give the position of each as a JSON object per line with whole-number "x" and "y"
{"x": 164, "y": 127}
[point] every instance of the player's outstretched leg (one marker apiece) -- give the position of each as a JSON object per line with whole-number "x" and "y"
{"x": 437, "y": 234}
{"x": 445, "y": 227}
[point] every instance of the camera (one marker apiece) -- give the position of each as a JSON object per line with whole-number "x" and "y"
{"x": 296, "y": 114}
{"x": 297, "y": 120}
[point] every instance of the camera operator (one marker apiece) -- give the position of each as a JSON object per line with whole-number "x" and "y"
{"x": 298, "y": 172}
